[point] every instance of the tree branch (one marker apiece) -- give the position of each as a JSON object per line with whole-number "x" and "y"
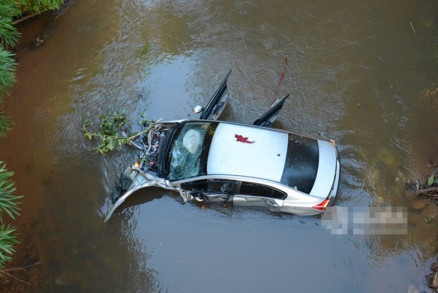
{"x": 27, "y": 17}
{"x": 433, "y": 191}
{"x": 14, "y": 277}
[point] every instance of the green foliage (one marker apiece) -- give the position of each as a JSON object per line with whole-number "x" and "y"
{"x": 9, "y": 8}
{"x": 111, "y": 134}
{"x": 431, "y": 180}
{"x": 7, "y": 78}
{"x": 8, "y": 201}
{"x": 8, "y": 33}
{"x": 9, "y": 206}
{"x": 4, "y": 124}
{"x": 7, "y": 240}
{"x": 38, "y": 6}
{"x": 7, "y": 70}
{"x": 8, "y": 37}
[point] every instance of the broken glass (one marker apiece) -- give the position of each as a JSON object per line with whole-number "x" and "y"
{"x": 185, "y": 155}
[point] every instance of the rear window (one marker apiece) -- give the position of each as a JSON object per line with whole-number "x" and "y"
{"x": 249, "y": 188}
{"x": 301, "y": 163}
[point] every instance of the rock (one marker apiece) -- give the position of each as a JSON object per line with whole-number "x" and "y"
{"x": 38, "y": 41}
{"x": 432, "y": 280}
{"x": 419, "y": 204}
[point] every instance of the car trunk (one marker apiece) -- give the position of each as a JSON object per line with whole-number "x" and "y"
{"x": 301, "y": 164}
{"x": 326, "y": 169}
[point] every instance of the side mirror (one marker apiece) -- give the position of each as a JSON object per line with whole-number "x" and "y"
{"x": 198, "y": 109}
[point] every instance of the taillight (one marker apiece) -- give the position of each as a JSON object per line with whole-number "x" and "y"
{"x": 321, "y": 206}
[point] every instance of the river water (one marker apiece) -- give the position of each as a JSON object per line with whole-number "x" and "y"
{"x": 358, "y": 72}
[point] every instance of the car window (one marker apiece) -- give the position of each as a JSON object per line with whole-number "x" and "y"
{"x": 221, "y": 186}
{"x": 211, "y": 186}
{"x": 199, "y": 185}
{"x": 249, "y": 188}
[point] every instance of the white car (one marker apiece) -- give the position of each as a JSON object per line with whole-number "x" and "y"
{"x": 248, "y": 165}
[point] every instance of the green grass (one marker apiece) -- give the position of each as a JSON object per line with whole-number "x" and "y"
{"x": 7, "y": 70}
{"x": 8, "y": 34}
{"x": 8, "y": 206}
{"x": 38, "y": 6}
{"x": 4, "y": 124}
{"x": 8, "y": 201}
{"x": 7, "y": 241}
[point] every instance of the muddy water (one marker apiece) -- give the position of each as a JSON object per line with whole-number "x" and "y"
{"x": 356, "y": 73}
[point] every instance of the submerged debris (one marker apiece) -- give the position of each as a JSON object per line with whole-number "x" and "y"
{"x": 38, "y": 41}
{"x": 432, "y": 278}
{"x": 429, "y": 188}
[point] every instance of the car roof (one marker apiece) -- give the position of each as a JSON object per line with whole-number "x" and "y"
{"x": 245, "y": 150}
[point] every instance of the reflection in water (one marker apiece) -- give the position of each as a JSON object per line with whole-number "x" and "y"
{"x": 356, "y": 73}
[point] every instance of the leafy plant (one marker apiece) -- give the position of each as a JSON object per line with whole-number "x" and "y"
{"x": 7, "y": 241}
{"x": 8, "y": 37}
{"x": 7, "y": 70}
{"x": 111, "y": 134}
{"x": 8, "y": 201}
{"x": 431, "y": 180}
{"x": 8, "y": 205}
{"x": 427, "y": 220}
{"x": 8, "y": 33}
{"x": 38, "y": 6}
{"x": 4, "y": 124}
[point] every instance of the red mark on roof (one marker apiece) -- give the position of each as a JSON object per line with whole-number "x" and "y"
{"x": 242, "y": 139}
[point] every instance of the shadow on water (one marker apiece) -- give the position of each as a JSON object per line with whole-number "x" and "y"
{"x": 356, "y": 73}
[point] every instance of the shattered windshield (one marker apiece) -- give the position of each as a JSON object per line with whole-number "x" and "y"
{"x": 187, "y": 157}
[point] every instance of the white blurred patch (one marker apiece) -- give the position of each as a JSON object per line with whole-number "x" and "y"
{"x": 192, "y": 141}
{"x": 366, "y": 220}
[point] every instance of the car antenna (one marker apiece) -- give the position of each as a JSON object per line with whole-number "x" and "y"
{"x": 280, "y": 80}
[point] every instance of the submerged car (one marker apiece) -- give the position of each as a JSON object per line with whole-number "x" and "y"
{"x": 207, "y": 160}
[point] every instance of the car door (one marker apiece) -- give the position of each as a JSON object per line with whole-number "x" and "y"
{"x": 217, "y": 103}
{"x": 259, "y": 195}
{"x": 271, "y": 115}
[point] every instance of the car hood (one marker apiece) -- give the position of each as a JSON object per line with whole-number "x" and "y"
{"x": 327, "y": 165}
